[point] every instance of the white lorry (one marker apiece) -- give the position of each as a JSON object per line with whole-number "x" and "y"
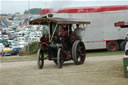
{"x": 105, "y": 31}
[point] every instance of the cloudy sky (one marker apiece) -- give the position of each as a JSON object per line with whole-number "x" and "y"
{"x": 12, "y": 6}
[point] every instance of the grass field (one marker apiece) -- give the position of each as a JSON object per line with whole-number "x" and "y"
{"x": 34, "y": 57}
{"x": 103, "y": 53}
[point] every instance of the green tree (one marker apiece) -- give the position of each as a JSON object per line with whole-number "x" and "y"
{"x": 33, "y": 11}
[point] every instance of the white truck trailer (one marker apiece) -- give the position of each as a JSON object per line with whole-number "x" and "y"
{"x": 108, "y": 26}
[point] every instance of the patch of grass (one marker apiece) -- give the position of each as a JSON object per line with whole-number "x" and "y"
{"x": 104, "y": 53}
{"x": 31, "y": 49}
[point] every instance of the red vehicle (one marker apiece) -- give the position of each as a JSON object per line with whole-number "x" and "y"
{"x": 21, "y": 51}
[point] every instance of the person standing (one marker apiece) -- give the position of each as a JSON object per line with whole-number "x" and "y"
{"x": 79, "y": 32}
{"x": 126, "y": 46}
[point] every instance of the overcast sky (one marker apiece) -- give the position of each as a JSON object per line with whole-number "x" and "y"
{"x": 12, "y": 6}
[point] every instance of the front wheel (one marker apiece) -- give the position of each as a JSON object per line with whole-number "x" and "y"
{"x": 40, "y": 58}
{"x": 78, "y": 52}
{"x": 59, "y": 58}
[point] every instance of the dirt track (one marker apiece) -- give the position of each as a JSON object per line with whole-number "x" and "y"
{"x": 103, "y": 70}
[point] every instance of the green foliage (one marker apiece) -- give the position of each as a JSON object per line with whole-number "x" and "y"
{"x": 33, "y": 11}
{"x": 104, "y": 53}
{"x": 45, "y": 31}
{"x": 31, "y": 49}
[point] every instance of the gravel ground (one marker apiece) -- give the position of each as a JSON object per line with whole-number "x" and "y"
{"x": 103, "y": 70}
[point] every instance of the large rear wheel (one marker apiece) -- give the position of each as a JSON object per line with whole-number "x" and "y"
{"x": 40, "y": 58}
{"x": 78, "y": 52}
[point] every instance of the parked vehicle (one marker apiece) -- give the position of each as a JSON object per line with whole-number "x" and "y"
{"x": 21, "y": 51}
{"x": 6, "y": 53}
{"x": 21, "y": 39}
{"x": 14, "y": 45}
{"x": 7, "y": 49}
{"x": 1, "y": 49}
{"x": 6, "y": 37}
{"x": 15, "y": 51}
{"x": 4, "y": 42}
{"x": 22, "y": 44}
{"x": 103, "y": 33}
